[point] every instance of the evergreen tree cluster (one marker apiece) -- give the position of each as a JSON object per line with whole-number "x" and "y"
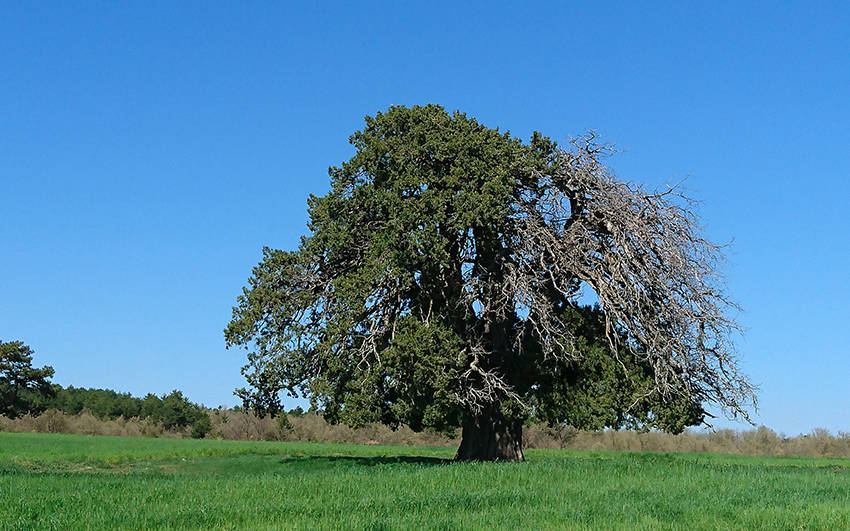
{"x": 26, "y": 389}
{"x": 172, "y": 410}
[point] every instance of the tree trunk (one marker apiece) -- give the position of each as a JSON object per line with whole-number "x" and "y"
{"x": 490, "y": 436}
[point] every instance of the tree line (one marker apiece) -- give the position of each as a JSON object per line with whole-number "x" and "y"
{"x": 25, "y": 389}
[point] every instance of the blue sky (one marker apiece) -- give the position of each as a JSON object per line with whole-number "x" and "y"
{"x": 149, "y": 150}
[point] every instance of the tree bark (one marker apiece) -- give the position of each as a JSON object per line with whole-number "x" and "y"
{"x": 490, "y": 436}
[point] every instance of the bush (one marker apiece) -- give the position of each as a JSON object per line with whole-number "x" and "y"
{"x": 201, "y": 427}
{"x": 283, "y": 424}
{"x": 51, "y": 421}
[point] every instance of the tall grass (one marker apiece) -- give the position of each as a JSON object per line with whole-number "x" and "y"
{"x": 760, "y": 441}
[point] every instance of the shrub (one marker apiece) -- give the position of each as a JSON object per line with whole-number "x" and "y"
{"x": 51, "y": 421}
{"x": 201, "y": 427}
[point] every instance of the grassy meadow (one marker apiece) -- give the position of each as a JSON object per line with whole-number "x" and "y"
{"x": 77, "y": 481}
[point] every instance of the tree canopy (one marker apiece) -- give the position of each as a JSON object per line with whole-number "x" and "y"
{"x": 439, "y": 287}
{"x": 23, "y": 388}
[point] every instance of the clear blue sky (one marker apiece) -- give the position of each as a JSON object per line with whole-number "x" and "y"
{"x": 149, "y": 151}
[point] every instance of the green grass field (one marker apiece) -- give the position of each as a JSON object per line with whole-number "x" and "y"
{"x": 77, "y": 482}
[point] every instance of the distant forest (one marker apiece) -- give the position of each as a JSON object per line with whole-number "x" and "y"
{"x": 171, "y": 411}
{"x": 27, "y": 390}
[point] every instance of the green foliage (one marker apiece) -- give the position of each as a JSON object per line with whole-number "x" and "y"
{"x": 176, "y": 410}
{"x": 103, "y": 403}
{"x": 283, "y": 424}
{"x": 382, "y": 311}
{"x": 601, "y": 390}
{"x": 151, "y": 406}
{"x": 172, "y": 410}
{"x": 420, "y": 180}
{"x": 23, "y": 388}
{"x": 201, "y": 427}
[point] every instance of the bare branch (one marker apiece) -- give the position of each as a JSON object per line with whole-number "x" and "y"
{"x": 654, "y": 274}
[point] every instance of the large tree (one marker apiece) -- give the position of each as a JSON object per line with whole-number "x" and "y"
{"x": 439, "y": 288}
{"x": 23, "y": 388}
